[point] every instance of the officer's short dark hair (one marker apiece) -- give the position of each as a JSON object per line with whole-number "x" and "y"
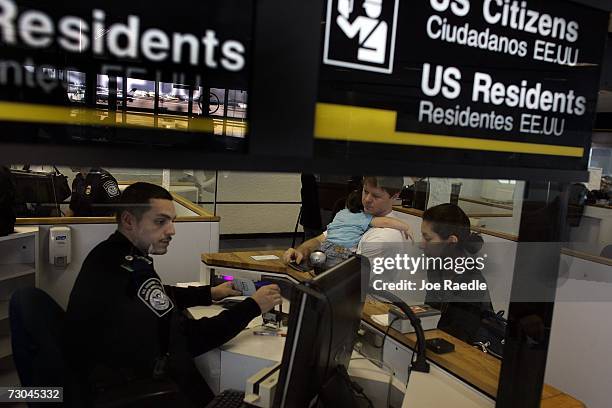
{"x": 136, "y": 199}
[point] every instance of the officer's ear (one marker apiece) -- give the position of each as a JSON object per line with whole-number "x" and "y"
{"x": 128, "y": 220}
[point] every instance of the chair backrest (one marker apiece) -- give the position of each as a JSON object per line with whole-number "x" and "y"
{"x": 607, "y": 252}
{"x": 36, "y": 325}
{"x": 36, "y": 334}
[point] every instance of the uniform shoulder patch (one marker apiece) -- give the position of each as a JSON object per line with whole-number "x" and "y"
{"x": 152, "y": 294}
{"x": 111, "y": 188}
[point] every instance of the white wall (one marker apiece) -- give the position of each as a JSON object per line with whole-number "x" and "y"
{"x": 248, "y": 202}
{"x": 180, "y": 264}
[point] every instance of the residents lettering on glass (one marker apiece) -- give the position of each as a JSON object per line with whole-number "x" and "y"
{"x": 36, "y": 29}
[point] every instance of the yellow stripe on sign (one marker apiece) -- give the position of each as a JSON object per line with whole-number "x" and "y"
{"x": 357, "y": 124}
{"x": 64, "y": 115}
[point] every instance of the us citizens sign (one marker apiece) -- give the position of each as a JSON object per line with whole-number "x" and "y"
{"x": 488, "y": 82}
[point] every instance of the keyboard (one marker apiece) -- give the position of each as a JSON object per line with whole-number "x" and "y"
{"x": 228, "y": 399}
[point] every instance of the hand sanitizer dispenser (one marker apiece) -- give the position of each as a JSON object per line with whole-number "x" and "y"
{"x": 59, "y": 246}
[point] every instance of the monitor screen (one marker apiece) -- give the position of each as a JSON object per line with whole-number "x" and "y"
{"x": 325, "y": 316}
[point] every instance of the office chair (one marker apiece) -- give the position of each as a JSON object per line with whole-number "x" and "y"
{"x": 606, "y": 252}
{"x": 36, "y": 322}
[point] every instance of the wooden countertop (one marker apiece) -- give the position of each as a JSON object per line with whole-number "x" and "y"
{"x": 202, "y": 216}
{"x": 608, "y": 207}
{"x": 471, "y": 365}
{"x": 487, "y": 203}
{"x": 243, "y": 260}
{"x": 499, "y": 234}
{"x": 99, "y": 220}
{"x": 419, "y": 213}
{"x": 587, "y": 256}
{"x": 201, "y": 212}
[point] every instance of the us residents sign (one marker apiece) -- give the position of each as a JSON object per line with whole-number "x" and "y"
{"x": 58, "y": 61}
{"x": 494, "y": 81}
{"x": 133, "y": 38}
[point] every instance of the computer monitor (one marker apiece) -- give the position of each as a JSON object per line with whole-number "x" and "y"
{"x": 34, "y": 194}
{"x": 323, "y": 323}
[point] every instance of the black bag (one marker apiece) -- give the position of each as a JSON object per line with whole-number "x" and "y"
{"x": 61, "y": 186}
{"x": 490, "y": 337}
{"x": 7, "y": 202}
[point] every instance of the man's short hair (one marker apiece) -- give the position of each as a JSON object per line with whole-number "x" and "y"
{"x": 391, "y": 184}
{"x": 136, "y": 199}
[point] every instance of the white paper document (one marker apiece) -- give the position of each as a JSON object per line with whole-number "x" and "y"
{"x": 264, "y": 257}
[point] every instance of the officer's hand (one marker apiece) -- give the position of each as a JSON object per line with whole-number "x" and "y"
{"x": 293, "y": 255}
{"x": 267, "y": 297}
{"x": 223, "y": 290}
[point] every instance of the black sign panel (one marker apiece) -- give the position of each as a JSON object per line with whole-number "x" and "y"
{"x": 478, "y": 82}
{"x": 138, "y": 39}
{"x": 126, "y": 73}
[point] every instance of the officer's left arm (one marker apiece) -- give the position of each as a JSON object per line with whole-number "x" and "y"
{"x": 208, "y": 333}
{"x": 111, "y": 191}
{"x": 189, "y": 296}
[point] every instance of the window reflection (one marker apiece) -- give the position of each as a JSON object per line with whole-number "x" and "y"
{"x": 146, "y": 103}
{"x": 76, "y": 86}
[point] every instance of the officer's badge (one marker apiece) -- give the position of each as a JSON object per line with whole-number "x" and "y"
{"x": 111, "y": 188}
{"x": 88, "y": 190}
{"x": 151, "y": 292}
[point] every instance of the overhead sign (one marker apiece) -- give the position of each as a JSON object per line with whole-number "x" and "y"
{"x": 514, "y": 78}
{"x": 117, "y": 65}
{"x": 134, "y": 39}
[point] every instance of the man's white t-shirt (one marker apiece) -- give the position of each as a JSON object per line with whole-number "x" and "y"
{"x": 377, "y": 237}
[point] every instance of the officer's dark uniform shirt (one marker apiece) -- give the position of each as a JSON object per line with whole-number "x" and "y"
{"x": 94, "y": 195}
{"x": 116, "y": 318}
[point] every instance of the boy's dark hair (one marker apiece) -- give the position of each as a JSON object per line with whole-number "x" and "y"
{"x": 353, "y": 202}
{"x": 448, "y": 219}
{"x": 136, "y": 199}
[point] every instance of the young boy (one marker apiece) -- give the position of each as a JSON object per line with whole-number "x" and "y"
{"x": 348, "y": 226}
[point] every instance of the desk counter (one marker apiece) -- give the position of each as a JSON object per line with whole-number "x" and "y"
{"x": 467, "y": 363}
{"x": 471, "y": 365}
{"x": 244, "y": 260}
{"x": 500, "y": 234}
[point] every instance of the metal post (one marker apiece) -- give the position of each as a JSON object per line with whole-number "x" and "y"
{"x": 542, "y": 231}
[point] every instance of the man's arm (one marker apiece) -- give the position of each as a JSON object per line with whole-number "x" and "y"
{"x": 207, "y": 333}
{"x": 388, "y": 222}
{"x": 199, "y": 295}
{"x": 112, "y": 193}
{"x": 379, "y": 242}
{"x": 303, "y": 251}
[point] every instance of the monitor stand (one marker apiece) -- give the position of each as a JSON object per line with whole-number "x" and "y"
{"x": 340, "y": 391}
